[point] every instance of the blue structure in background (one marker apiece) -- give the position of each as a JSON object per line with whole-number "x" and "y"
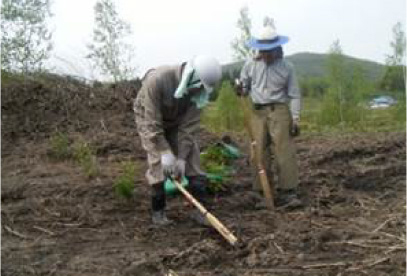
{"x": 382, "y": 102}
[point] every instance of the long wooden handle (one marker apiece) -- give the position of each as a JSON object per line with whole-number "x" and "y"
{"x": 268, "y": 194}
{"x": 211, "y": 218}
{"x": 261, "y": 172}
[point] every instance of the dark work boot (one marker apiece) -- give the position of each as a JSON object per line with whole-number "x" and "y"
{"x": 158, "y": 202}
{"x": 160, "y": 219}
{"x": 289, "y": 199}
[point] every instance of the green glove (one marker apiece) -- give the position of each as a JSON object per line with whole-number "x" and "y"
{"x": 170, "y": 188}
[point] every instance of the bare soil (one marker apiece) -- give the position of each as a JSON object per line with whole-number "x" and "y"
{"x": 57, "y": 221}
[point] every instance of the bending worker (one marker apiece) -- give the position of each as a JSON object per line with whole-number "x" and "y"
{"x": 167, "y": 112}
{"x": 270, "y": 81}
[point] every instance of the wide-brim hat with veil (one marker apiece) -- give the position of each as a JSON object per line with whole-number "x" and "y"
{"x": 268, "y": 38}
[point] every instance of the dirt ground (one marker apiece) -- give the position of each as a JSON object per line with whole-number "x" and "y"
{"x": 57, "y": 221}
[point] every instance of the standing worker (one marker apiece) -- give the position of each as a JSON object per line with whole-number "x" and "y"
{"x": 270, "y": 81}
{"x": 167, "y": 113}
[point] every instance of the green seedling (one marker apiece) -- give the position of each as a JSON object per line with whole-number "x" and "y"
{"x": 215, "y": 160}
{"x": 60, "y": 146}
{"x": 124, "y": 184}
{"x": 86, "y": 158}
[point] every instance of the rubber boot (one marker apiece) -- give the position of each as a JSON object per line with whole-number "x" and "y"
{"x": 289, "y": 199}
{"x": 158, "y": 203}
{"x": 160, "y": 219}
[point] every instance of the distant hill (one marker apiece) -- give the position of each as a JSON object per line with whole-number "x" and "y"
{"x": 315, "y": 65}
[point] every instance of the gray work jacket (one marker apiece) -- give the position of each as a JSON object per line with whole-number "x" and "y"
{"x": 273, "y": 83}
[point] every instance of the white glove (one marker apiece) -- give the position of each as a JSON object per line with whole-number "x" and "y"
{"x": 180, "y": 168}
{"x": 168, "y": 162}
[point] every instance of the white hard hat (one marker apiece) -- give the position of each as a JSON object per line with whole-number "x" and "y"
{"x": 209, "y": 71}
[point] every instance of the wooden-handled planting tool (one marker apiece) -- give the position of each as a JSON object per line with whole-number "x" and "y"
{"x": 211, "y": 218}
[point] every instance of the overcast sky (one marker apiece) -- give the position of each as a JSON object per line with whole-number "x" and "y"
{"x": 167, "y": 32}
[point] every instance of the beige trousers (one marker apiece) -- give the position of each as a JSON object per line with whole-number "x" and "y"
{"x": 272, "y": 124}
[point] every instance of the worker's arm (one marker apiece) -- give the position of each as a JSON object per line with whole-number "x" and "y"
{"x": 294, "y": 94}
{"x": 246, "y": 78}
{"x": 152, "y": 128}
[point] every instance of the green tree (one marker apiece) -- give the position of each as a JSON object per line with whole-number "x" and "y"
{"x": 109, "y": 53}
{"x": 225, "y": 114}
{"x": 357, "y": 97}
{"x": 348, "y": 88}
{"x": 314, "y": 87}
{"x": 398, "y": 45}
{"x": 231, "y": 116}
{"x": 26, "y": 41}
{"x": 336, "y": 68}
{"x": 332, "y": 106}
{"x": 239, "y": 45}
{"x": 394, "y": 78}
{"x": 359, "y": 86}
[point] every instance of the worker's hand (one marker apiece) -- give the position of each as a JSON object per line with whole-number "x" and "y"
{"x": 295, "y": 128}
{"x": 238, "y": 86}
{"x": 179, "y": 168}
{"x": 168, "y": 162}
{"x": 242, "y": 92}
